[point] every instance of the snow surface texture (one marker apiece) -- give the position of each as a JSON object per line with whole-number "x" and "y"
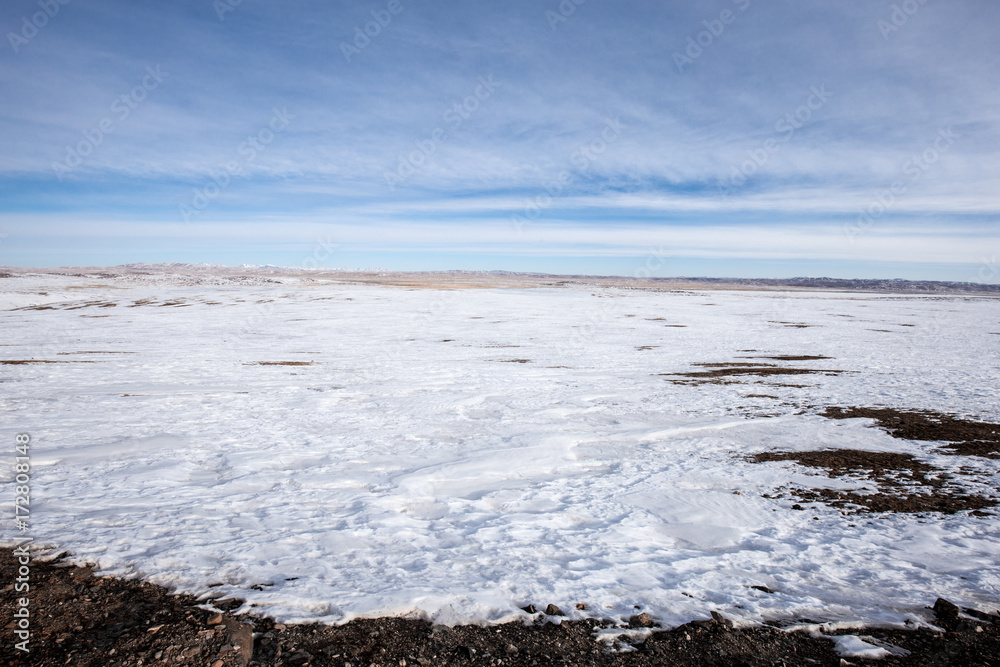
{"x": 458, "y": 454}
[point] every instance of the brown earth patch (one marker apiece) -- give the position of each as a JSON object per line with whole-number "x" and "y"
{"x": 21, "y": 362}
{"x": 967, "y": 437}
{"x": 905, "y": 483}
{"x": 797, "y": 357}
{"x": 96, "y": 352}
{"x": 514, "y": 361}
{"x": 85, "y": 620}
{"x": 721, "y": 371}
{"x": 794, "y": 325}
{"x": 279, "y": 363}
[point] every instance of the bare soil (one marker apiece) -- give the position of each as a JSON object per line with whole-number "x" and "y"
{"x": 84, "y": 620}
{"x": 905, "y": 484}
{"x": 967, "y": 437}
{"x": 280, "y": 363}
{"x": 721, "y": 372}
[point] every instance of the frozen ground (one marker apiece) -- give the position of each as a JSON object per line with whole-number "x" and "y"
{"x": 459, "y": 454}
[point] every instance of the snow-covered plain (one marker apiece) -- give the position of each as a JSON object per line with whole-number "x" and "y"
{"x": 458, "y": 454}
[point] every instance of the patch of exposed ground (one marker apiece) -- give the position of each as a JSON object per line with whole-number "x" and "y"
{"x": 793, "y": 325}
{"x": 88, "y": 621}
{"x": 513, "y": 361}
{"x": 722, "y": 372}
{"x": 96, "y": 352}
{"x": 796, "y": 357}
{"x": 905, "y": 484}
{"x": 21, "y": 362}
{"x": 967, "y": 437}
{"x": 279, "y": 363}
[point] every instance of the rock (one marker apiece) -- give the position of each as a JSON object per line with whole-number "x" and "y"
{"x": 796, "y": 506}
{"x": 945, "y": 611}
{"x": 157, "y": 655}
{"x": 642, "y": 620}
{"x": 228, "y": 604}
{"x": 299, "y": 657}
{"x": 530, "y": 609}
{"x": 214, "y": 619}
{"x": 721, "y": 620}
{"x": 218, "y": 663}
{"x": 581, "y": 606}
{"x": 553, "y": 610}
{"x": 466, "y": 652}
{"x": 241, "y": 635}
{"x": 511, "y": 649}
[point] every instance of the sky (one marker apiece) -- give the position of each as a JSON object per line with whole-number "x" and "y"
{"x": 730, "y": 138}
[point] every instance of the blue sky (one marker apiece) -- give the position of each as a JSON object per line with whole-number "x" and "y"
{"x": 726, "y": 138}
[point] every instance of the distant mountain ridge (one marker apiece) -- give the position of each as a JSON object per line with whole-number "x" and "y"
{"x": 482, "y": 278}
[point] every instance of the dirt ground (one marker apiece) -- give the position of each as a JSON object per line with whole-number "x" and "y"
{"x": 905, "y": 483}
{"x": 83, "y": 620}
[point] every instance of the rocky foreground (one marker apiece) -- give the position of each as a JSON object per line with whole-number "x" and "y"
{"x": 77, "y": 618}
